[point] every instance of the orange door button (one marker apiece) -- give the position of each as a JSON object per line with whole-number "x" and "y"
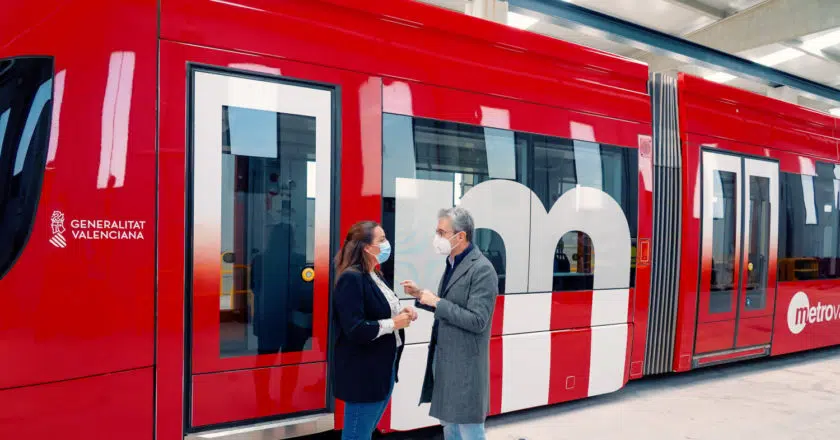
{"x": 308, "y": 274}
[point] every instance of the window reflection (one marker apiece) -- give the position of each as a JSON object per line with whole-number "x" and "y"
{"x": 759, "y": 251}
{"x": 267, "y": 231}
{"x": 501, "y": 153}
{"x": 4, "y": 122}
{"x": 808, "y": 199}
{"x": 723, "y": 242}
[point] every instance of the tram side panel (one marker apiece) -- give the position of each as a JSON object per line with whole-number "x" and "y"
{"x": 78, "y": 285}
{"x": 393, "y": 47}
{"x": 808, "y": 302}
{"x": 560, "y": 219}
{"x": 809, "y": 280}
{"x": 718, "y": 118}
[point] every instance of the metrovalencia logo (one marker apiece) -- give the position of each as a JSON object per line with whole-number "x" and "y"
{"x": 800, "y": 313}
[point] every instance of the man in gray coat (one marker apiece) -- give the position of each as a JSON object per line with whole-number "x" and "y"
{"x": 457, "y": 380}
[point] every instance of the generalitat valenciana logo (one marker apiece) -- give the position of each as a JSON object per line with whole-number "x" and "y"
{"x": 57, "y": 225}
{"x": 94, "y": 229}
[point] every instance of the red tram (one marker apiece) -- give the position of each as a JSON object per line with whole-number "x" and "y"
{"x": 174, "y": 177}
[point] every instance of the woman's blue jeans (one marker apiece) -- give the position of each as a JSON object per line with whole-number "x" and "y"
{"x": 361, "y": 418}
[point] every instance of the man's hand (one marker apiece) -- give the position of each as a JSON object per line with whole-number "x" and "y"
{"x": 428, "y": 298}
{"x": 410, "y": 312}
{"x": 411, "y": 288}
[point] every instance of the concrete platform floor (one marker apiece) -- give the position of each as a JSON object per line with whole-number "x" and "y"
{"x": 795, "y": 397}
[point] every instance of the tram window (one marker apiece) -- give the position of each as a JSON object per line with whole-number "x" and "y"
{"x": 561, "y": 165}
{"x": 723, "y": 243}
{"x": 491, "y": 245}
{"x": 25, "y": 115}
{"x": 267, "y": 221}
{"x": 574, "y": 263}
{"x": 809, "y": 246}
{"x": 758, "y": 254}
{"x": 467, "y": 155}
{"x": 463, "y": 154}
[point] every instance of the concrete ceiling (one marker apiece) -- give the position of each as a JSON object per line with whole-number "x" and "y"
{"x": 801, "y": 37}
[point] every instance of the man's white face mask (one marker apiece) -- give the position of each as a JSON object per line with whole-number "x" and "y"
{"x": 442, "y": 245}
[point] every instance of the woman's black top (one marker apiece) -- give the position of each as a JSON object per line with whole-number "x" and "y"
{"x": 362, "y": 364}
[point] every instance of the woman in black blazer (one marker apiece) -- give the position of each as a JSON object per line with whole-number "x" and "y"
{"x": 369, "y": 330}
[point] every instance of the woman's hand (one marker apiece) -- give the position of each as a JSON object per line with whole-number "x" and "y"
{"x": 402, "y": 321}
{"x": 411, "y": 312}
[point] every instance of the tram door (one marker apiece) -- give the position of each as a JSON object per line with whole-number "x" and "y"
{"x": 260, "y": 187}
{"x": 740, "y": 216}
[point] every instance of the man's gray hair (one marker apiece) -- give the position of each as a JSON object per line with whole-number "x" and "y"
{"x": 461, "y": 220}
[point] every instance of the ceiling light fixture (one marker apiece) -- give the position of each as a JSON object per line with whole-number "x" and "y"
{"x": 779, "y": 57}
{"x": 720, "y": 77}
{"x": 520, "y": 21}
{"x": 770, "y": 60}
{"x": 823, "y": 42}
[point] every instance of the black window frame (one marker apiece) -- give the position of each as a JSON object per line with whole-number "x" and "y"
{"x": 793, "y": 263}
{"x": 20, "y": 192}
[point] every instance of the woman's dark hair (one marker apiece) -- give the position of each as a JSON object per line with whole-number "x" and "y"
{"x": 352, "y": 253}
